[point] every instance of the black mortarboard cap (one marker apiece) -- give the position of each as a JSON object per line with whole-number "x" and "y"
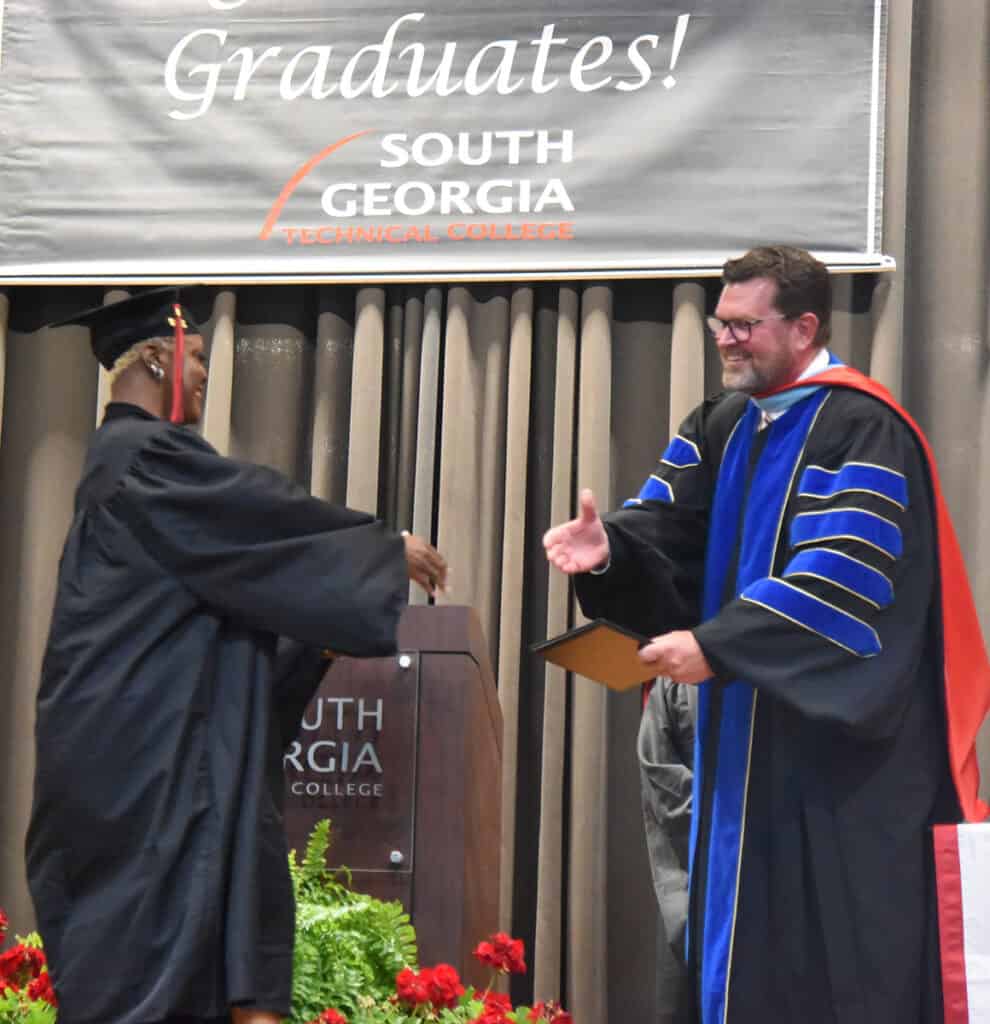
{"x": 115, "y": 327}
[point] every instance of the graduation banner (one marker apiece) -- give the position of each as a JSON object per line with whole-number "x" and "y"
{"x": 316, "y": 139}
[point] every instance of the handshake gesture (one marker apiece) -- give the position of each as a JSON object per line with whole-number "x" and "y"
{"x": 581, "y": 545}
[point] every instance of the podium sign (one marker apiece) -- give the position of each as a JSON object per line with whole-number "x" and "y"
{"x": 355, "y": 763}
{"x": 404, "y": 755}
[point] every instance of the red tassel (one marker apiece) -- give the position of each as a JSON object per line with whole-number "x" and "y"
{"x": 178, "y": 366}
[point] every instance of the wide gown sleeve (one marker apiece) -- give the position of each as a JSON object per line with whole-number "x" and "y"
{"x": 657, "y": 541}
{"x": 260, "y": 549}
{"x": 839, "y": 630}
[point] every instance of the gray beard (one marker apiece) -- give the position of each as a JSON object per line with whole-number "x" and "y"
{"x": 747, "y": 381}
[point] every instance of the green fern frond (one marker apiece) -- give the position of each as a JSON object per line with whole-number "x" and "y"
{"x": 315, "y": 859}
{"x": 349, "y": 945}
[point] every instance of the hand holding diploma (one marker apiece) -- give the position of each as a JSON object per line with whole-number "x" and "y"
{"x": 677, "y": 655}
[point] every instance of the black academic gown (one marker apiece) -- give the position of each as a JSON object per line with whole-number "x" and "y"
{"x": 821, "y": 757}
{"x": 155, "y": 854}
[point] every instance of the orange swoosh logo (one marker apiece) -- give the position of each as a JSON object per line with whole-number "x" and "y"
{"x": 290, "y": 185}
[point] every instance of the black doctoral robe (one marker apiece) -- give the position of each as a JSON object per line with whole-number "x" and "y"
{"x": 806, "y": 551}
{"x": 155, "y": 854}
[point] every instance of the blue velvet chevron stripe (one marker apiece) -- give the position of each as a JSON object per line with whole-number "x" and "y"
{"x": 681, "y": 453}
{"x": 855, "y": 476}
{"x": 757, "y": 538}
{"x": 845, "y": 572}
{"x": 848, "y": 524}
{"x": 812, "y": 613}
{"x": 654, "y": 489}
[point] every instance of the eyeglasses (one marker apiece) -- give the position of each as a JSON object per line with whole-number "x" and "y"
{"x": 739, "y": 329}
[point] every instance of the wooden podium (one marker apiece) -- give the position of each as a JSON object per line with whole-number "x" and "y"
{"x": 404, "y": 755}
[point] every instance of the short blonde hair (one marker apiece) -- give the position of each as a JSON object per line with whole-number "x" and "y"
{"x": 132, "y": 355}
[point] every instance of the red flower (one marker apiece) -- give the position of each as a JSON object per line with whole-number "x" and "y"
{"x": 552, "y": 1012}
{"x": 444, "y": 986}
{"x": 20, "y": 965}
{"x": 10, "y": 964}
{"x": 502, "y": 953}
{"x": 41, "y": 988}
{"x": 438, "y": 985}
{"x": 496, "y": 1008}
{"x": 330, "y": 1017}
{"x": 491, "y": 1017}
{"x": 4, "y": 921}
{"x": 412, "y": 988}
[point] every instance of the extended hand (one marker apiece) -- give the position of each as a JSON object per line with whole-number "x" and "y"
{"x": 426, "y": 566}
{"x": 581, "y": 544}
{"x": 677, "y": 655}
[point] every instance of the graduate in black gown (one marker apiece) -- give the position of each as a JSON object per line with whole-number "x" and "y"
{"x": 784, "y": 555}
{"x": 197, "y": 599}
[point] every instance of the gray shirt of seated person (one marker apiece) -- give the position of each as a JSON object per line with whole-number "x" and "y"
{"x": 665, "y": 749}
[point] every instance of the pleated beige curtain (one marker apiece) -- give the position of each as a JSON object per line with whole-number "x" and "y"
{"x": 472, "y": 414}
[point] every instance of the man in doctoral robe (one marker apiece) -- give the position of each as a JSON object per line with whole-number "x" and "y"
{"x": 197, "y": 596}
{"x": 784, "y": 554}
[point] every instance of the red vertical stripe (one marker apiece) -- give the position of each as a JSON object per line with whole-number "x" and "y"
{"x": 952, "y": 939}
{"x": 645, "y": 690}
{"x": 177, "y": 414}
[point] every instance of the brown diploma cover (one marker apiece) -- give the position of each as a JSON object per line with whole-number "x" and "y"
{"x": 600, "y": 651}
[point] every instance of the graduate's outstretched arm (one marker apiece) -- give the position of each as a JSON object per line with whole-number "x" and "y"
{"x": 426, "y": 566}
{"x": 259, "y": 548}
